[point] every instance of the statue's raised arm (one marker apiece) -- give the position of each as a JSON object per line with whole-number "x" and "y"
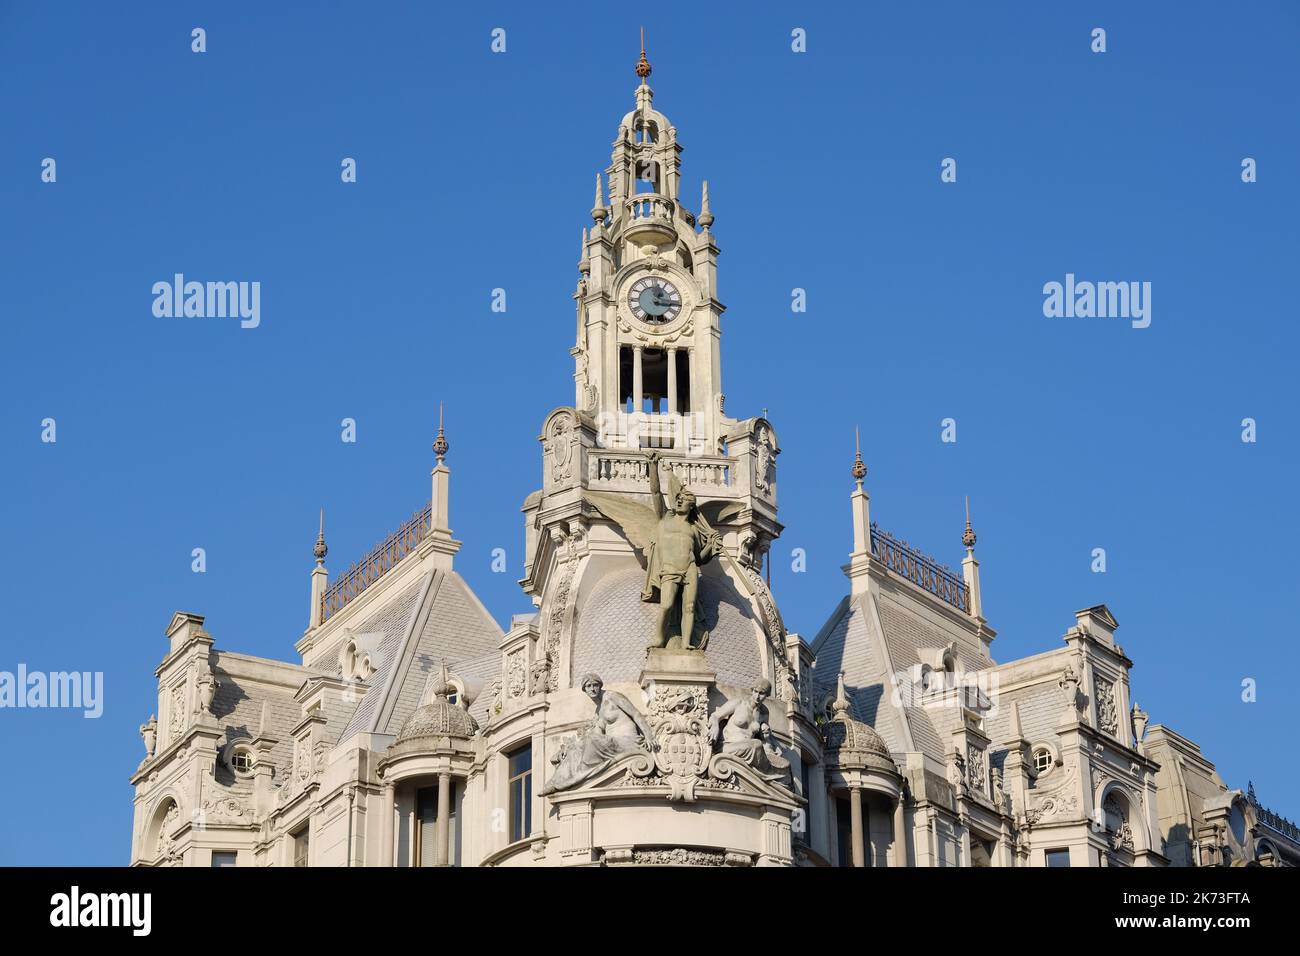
{"x": 656, "y": 495}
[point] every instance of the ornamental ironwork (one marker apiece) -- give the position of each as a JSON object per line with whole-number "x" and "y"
{"x": 381, "y": 559}
{"x": 921, "y": 569}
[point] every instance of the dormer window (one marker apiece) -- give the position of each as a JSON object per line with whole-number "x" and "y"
{"x": 238, "y": 758}
{"x": 1044, "y": 760}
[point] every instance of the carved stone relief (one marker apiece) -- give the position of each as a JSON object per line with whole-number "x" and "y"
{"x": 1107, "y": 709}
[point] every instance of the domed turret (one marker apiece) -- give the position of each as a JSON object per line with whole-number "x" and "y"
{"x": 851, "y": 742}
{"x": 438, "y": 716}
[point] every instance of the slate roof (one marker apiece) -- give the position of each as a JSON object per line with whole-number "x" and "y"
{"x": 873, "y": 640}
{"x": 237, "y": 707}
{"x": 438, "y": 618}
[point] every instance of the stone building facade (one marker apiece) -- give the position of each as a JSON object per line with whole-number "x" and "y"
{"x": 413, "y": 731}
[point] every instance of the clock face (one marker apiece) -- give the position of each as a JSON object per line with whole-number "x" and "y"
{"x": 654, "y": 300}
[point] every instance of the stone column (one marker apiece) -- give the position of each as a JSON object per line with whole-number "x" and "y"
{"x": 386, "y": 837}
{"x": 412, "y": 825}
{"x": 672, "y": 381}
{"x": 441, "y": 848}
{"x": 855, "y": 802}
{"x": 899, "y": 855}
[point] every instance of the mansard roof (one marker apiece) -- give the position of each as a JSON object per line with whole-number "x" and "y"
{"x": 881, "y": 640}
{"x": 436, "y": 619}
{"x": 244, "y": 684}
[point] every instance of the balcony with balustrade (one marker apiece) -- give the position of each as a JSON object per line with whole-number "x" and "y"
{"x": 649, "y": 218}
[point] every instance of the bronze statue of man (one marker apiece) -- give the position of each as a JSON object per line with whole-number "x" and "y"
{"x": 676, "y": 542}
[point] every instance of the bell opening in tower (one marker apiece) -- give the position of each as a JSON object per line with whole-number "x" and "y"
{"x": 665, "y": 379}
{"x": 647, "y": 177}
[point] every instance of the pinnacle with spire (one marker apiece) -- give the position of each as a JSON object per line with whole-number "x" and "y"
{"x": 643, "y": 65}
{"x": 598, "y": 211}
{"x": 968, "y": 536}
{"x": 706, "y": 217}
{"x": 840, "y": 704}
{"x": 441, "y": 687}
{"x": 320, "y": 550}
{"x": 859, "y": 469}
{"x": 440, "y": 444}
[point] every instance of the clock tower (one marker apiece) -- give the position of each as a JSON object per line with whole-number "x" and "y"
{"x": 648, "y": 378}
{"x": 649, "y": 319}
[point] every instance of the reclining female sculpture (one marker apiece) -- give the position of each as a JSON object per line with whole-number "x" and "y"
{"x": 618, "y": 729}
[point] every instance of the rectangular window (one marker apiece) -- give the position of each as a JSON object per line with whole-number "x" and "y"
{"x": 426, "y": 824}
{"x": 1058, "y": 858}
{"x": 625, "y": 379}
{"x": 521, "y": 792}
{"x": 844, "y": 831}
{"x": 223, "y": 858}
{"x": 683, "y": 381}
{"x": 301, "y": 846}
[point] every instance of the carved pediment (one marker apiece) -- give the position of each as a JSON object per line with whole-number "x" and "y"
{"x": 641, "y": 772}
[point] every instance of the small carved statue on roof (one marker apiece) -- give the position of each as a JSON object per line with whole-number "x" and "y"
{"x": 618, "y": 729}
{"x": 747, "y": 735}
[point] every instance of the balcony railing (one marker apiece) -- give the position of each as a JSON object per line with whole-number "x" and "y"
{"x": 1274, "y": 821}
{"x": 650, "y": 206}
{"x": 616, "y": 470}
{"x": 382, "y": 559}
{"x": 922, "y": 570}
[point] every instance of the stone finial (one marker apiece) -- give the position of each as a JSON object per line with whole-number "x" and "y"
{"x": 320, "y": 550}
{"x": 584, "y": 262}
{"x": 1140, "y": 718}
{"x": 1017, "y": 732}
{"x": 207, "y": 685}
{"x": 441, "y": 687}
{"x": 643, "y": 65}
{"x": 840, "y": 705}
{"x": 859, "y": 468}
{"x": 706, "y": 216}
{"x": 598, "y": 211}
{"x": 149, "y": 733}
{"x": 440, "y": 444}
{"x": 968, "y": 536}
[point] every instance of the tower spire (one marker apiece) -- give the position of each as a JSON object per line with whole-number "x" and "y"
{"x": 643, "y": 65}
{"x": 860, "y": 505}
{"x": 859, "y": 469}
{"x": 970, "y": 570}
{"x": 440, "y": 445}
{"x": 320, "y": 550}
{"x": 439, "y": 539}
{"x": 319, "y": 578}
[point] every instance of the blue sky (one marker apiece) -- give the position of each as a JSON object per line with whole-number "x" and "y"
{"x": 475, "y": 172}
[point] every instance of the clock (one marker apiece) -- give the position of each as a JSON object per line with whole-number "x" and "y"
{"x": 654, "y": 300}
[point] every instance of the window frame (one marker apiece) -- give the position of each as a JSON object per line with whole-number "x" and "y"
{"x": 301, "y": 839}
{"x": 519, "y": 793}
